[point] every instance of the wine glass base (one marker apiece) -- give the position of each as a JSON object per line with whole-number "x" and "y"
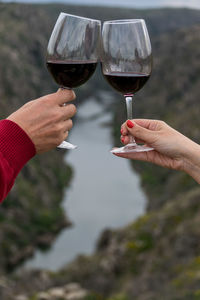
{"x": 132, "y": 148}
{"x": 66, "y": 145}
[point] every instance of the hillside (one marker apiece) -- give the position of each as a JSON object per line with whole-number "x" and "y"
{"x": 157, "y": 257}
{"x": 32, "y": 215}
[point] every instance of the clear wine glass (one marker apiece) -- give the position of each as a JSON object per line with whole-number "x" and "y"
{"x": 127, "y": 63}
{"x": 73, "y": 52}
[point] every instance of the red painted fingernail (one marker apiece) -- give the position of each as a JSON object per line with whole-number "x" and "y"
{"x": 122, "y": 139}
{"x": 130, "y": 124}
{"x": 121, "y": 131}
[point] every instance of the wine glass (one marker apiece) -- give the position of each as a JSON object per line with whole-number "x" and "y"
{"x": 73, "y": 52}
{"x": 126, "y": 63}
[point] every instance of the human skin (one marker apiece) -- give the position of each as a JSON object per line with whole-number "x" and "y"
{"x": 171, "y": 148}
{"x": 47, "y": 120}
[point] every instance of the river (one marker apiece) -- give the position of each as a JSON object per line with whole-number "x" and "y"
{"x": 104, "y": 192}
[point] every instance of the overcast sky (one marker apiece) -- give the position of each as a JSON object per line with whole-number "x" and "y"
{"x": 128, "y": 3}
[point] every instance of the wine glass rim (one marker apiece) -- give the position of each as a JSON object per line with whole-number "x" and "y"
{"x": 125, "y": 21}
{"x": 80, "y": 17}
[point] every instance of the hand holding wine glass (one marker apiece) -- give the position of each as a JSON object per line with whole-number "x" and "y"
{"x": 171, "y": 148}
{"x": 45, "y": 120}
{"x": 127, "y": 63}
{"x": 73, "y": 52}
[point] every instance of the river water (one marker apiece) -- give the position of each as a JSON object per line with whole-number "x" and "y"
{"x": 104, "y": 192}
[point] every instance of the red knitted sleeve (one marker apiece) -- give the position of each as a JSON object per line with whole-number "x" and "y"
{"x": 16, "y": 149}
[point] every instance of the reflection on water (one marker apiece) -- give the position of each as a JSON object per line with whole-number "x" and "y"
{"x": 105, "y": 192}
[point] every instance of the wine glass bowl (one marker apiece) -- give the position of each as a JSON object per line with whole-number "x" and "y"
{"x": 73, "y": 52}
{"x": 126, "y": 62}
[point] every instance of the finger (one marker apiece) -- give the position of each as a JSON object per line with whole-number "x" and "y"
{"x": 65, "y": 95}
{"x": 134, "y": 156}
{"x": 141, "y": 133}
{"x": 69, "y": 111}
{"x": 149, "y": 124}
{"x": 66, "y": 131}
{"x": 66, "y": 135}
{"x": 68, "y": 125}
{"x": 125, "y": 139}
{"x": 142, "y": 156}
{"x": 62, "y": 138}
{"x": 138, "y": 141}
{"x": 61, "y": 96}
{"x": 142, "y": 122}
{"x": 124, "y": 130}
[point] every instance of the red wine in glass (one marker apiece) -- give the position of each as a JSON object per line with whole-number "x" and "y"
{"x": 126, "y": 83}
{"x": 71, "y": 74}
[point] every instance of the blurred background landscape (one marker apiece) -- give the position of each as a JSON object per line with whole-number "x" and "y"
{"x": 87, "y": 225}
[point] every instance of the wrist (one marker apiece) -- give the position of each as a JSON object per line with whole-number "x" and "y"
{"x": 191, "y": 161}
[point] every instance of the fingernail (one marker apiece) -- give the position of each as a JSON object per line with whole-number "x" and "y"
{"x": 130, "y": 124}
{"x": 122, "y": 139}
{"x": 121, "y": 131}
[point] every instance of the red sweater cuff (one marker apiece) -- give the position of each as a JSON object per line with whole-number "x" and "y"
{"x": 15, "y": 145}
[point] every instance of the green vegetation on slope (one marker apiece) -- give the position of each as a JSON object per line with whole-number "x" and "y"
{"x": 156, "y": 257}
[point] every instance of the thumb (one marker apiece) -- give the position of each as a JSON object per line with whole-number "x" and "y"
{"x": 141, "y": 133}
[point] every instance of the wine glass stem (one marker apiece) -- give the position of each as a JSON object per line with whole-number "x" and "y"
{"x": 129, "y": 107}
